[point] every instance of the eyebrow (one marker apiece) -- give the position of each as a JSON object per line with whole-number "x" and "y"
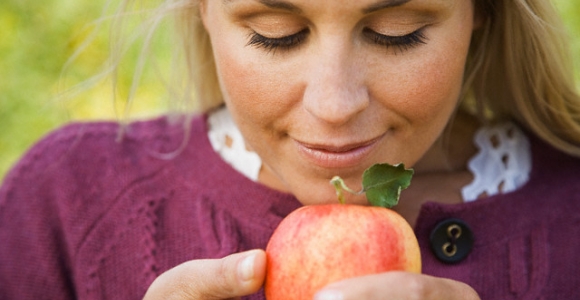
{"x": 283, "y": 5}
{"x": 383, "y": 4}
{"x": 276, "y": 4}
{"x": 280, "y": 5}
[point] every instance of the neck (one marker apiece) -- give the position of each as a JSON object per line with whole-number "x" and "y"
{"x": 454, "y": 148}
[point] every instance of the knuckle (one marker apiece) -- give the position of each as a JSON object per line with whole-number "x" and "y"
{"x": 207, "y": 279}
{"x": 224, "y": 277}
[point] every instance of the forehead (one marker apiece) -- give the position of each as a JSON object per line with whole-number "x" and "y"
{"x": 365, "y": 6}
{"x": 286, "y": 4}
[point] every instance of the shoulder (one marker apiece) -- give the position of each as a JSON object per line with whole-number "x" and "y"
{"x": 82, "y": 146}
{"x": 552, "y": 194}
{"x": 84, "y": 194}
{"x": 82, "y": 169}
{"x": 551, "y": 165}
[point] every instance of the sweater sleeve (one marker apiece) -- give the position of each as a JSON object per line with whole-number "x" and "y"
{"x": 62, "y": 193}
{"x": 35, "y": 258}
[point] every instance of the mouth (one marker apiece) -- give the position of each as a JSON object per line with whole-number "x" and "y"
{"x": 337, "y": 156}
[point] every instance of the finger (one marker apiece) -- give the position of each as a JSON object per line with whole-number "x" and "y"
{"x": 233, "y": 276}
{"x": 397, "y": 285}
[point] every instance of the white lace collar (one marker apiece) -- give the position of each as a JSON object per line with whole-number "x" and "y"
{"x": 227, "y": 141}
{"x": 502, "y": 164}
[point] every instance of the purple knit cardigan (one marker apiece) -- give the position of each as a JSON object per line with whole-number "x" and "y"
{"x": 85, "y": 216}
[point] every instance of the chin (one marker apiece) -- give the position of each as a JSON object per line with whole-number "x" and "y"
{"x": 327, "y": 195}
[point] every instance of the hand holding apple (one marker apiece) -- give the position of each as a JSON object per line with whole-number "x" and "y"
{"x": 320, "y": 244}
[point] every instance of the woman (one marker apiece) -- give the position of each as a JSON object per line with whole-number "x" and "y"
{"x": 476, "y": 96}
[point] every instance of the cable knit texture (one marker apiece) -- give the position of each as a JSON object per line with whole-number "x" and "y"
{"x": 83, "y": 216}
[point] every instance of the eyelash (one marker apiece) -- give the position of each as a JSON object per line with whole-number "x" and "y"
{"x": 283, "y": 43}
{"x": 401, "y": 43}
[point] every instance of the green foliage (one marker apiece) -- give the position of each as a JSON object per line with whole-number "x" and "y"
{"x": 570, "y": 10}
{"x": 383, "y": 183}
{"x": 33, "y": 49}
{"x": 38, "y": 38}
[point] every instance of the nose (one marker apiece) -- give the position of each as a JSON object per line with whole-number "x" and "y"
{"x": 335, "y": 92}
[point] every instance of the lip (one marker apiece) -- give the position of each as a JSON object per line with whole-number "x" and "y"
{"x": 337, "y": 156}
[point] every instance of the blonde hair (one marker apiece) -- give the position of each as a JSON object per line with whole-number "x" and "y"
{"x": 519, "y": 67}
{"x": 191, "y": 80}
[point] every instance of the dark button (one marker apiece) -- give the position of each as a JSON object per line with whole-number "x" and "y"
{"x": 451, "y": 240}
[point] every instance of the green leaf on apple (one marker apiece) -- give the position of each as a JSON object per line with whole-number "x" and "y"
{"x": 382, "y": 184}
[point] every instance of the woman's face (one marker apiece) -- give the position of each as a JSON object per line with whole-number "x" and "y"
{"x": 330, "y": 87}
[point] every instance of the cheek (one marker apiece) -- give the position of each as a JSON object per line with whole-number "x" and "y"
{"x": 429, "y": 88}
{"x": 239, "y": 80}
{"x": 253, "y": 90}
{"x": 438, "y": 87}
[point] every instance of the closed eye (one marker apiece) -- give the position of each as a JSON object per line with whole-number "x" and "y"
{"x": 400, "y": 43}
{"x": 284, "y": 43}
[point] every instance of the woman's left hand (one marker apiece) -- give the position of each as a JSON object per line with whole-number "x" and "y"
{"x": 397, "y": 285}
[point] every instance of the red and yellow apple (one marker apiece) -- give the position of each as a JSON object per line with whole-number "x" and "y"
{"x": 320, "y": 244}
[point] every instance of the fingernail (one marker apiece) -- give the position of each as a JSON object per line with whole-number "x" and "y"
{"x": 246, "y": 267}
{"x": 328, "y": 295}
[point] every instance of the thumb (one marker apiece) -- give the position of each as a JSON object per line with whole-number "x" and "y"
{"x": 233, "y": 276}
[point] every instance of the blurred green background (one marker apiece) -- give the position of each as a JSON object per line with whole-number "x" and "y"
{"x": 38, "y": 37}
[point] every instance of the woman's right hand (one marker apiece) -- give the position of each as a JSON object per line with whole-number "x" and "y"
{"x": 230, "y": 277}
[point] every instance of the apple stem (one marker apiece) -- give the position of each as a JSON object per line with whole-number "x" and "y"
{"x": 339, "y": 186}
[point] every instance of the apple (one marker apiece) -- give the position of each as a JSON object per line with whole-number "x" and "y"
{"x": 320, "y": 244}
